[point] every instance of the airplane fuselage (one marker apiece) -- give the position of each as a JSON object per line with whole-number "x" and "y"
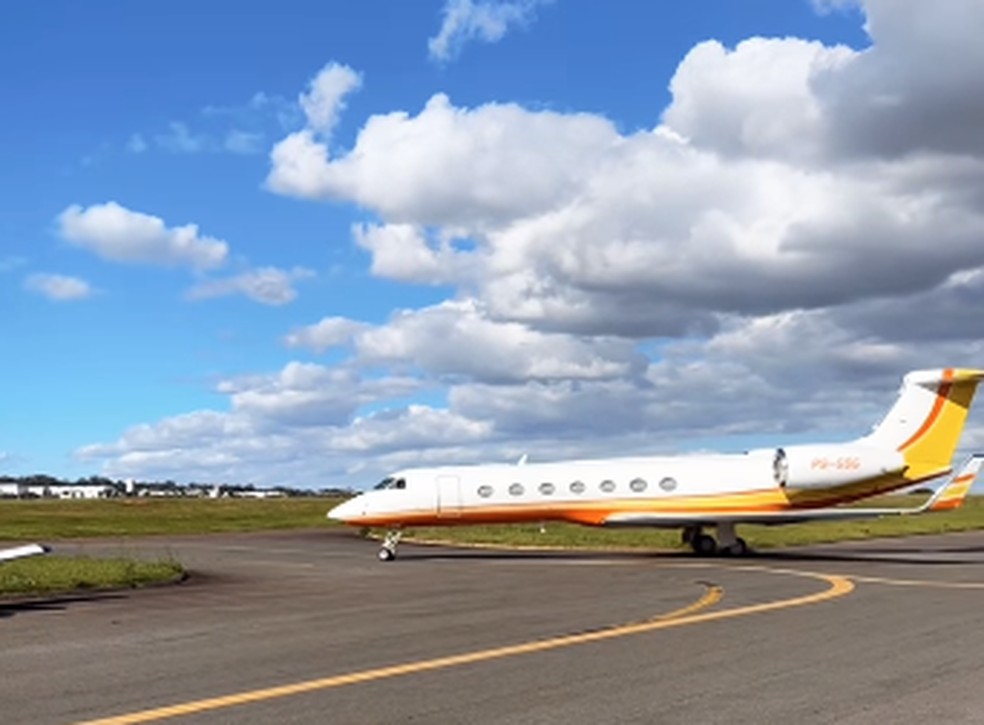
{"x": 592, "y": 492}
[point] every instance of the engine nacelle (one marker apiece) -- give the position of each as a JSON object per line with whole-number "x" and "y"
{"x": 820, "y": 466}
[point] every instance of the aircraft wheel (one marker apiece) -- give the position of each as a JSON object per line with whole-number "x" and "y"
{"x": 739, "y": 548}
{"x": 704, "y": 545}
{"x": 386, "y": 554}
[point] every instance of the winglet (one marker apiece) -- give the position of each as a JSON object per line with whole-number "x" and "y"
{"x": 951, "y": 495}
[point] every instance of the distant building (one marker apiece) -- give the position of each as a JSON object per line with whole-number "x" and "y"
{"x": 155, "y": 490}
{"x": 41, "y": 486}
{"x": 83, "y": 491}
{"x": 19, "y": 489}
{"x": 13, "y": 489}
{"x": 259, "y": 493}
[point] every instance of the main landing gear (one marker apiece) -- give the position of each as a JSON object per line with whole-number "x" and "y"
{"x": 388, "y": 550}
{"x": 728, "y": 544}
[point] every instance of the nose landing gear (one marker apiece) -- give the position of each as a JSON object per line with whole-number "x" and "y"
{"x": 388, "y": 550}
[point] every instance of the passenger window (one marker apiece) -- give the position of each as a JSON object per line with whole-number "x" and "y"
{"x": 607, "y": 486}
{"x": 577, "y": 487}
{"x": 400, "y": 484}
{"x": 668, "y": 484}
{"x": 547, "y": 489}
{"x": 638, "y": 485}
{"x": 485, "y": 491}
{"x": 516, "y": 489}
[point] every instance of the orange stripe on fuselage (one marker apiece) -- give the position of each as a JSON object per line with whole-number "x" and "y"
{"x": 941, "y": 396}
{"x": 593, "y": 512}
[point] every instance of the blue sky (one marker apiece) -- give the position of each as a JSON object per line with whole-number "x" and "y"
{"x": 472, "y": 218}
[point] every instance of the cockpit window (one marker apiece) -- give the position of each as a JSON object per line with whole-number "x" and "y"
{"x": 390, "y": 482}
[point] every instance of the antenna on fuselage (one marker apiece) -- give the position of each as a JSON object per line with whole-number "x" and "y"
{"x": 522, "y": 460}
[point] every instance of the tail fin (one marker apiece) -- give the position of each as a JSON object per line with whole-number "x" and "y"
{"x": 926, "y": 421}
{"x": 952, "y": 494}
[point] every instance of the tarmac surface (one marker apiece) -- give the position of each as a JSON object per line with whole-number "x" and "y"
{"x": 307, "y": 627}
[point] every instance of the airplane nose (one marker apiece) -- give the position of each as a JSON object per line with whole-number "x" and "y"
{"x": 345, "y": 511}
{"x": 339, "y": 512}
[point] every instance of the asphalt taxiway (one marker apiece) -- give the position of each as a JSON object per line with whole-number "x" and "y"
{"x": 307, "y": 627}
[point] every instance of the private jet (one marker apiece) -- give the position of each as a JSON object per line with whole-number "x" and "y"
{"x": 914, "y": 443}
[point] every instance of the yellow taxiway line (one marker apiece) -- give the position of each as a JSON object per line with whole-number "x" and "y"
{"x": 838, "y": 587}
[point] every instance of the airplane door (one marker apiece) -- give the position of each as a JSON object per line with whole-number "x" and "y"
{"x": 448, "y": 496}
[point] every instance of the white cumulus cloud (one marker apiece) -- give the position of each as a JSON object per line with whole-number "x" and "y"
{"x": 486, "y": 20}
{"x": 405, "y": 252}
{"x": 179, "y": 139}
{"x": 458, "y": 339}
{"x": 59, "y": 287}
{"x": 757, "y": 98}
{"x": 118, "y": 234}
{"x": 325, "y": 97}
{"x": 267, "y": 285}
{"x": 412, "y": 427}
{"x": 307, "y": 394}
{"x": 327, "y": 333}
{"x": 451, "y": 165}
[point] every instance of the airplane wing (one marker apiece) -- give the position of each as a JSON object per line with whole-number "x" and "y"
{"x": 949, "y": 496}
{"x": 19, "y": 552}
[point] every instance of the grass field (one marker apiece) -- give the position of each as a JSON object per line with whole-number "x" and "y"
{"x": 63, "y": 574}
{"x": 48, "y": 521}
{"x": 43, "y": 520}
{"x": 53, "y": 520}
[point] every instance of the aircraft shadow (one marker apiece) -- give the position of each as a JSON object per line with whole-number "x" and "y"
{"x": 935, "y": 549}
{"x": 52, "y": 604}
{"x": 450, "y": 554}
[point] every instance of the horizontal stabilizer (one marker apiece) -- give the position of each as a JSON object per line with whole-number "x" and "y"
{"x": 953, "y": 493}
{"x": 19, "y": 552}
